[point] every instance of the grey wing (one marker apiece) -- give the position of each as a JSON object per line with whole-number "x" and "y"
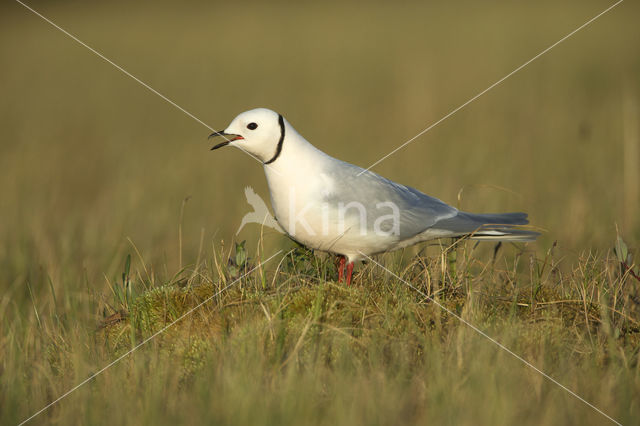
{"x": 416, "y": 210}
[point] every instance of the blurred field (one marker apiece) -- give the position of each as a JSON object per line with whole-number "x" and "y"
{"x": 90, "y": 159}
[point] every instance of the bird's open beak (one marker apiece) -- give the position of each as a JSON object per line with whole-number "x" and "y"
{"x": 228, "y": 136}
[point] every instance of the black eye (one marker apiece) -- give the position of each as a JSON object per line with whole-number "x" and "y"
{"x": 252, "y": 126}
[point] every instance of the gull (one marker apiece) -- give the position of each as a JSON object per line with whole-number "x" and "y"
{"x": 330, "y": 205}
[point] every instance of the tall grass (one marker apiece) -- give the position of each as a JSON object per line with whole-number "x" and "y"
{"x": 294, "y": 346}
{"x": 95, "y": 169}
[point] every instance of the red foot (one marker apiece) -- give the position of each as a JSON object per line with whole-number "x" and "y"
{"x": 349, "y": 272}
{"x": 341, "y": 268}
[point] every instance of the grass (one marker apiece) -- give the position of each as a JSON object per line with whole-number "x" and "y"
{"x": 116, "y": 220}
{"x": 293, "y": 345}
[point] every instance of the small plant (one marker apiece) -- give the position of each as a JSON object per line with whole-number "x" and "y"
{"x": 123, "y": 297}
{"x": 238, "y": 264}
{"x": 304, "y": 261}
{"x": 627, "y": 265}
{"x": 124, "y": 293}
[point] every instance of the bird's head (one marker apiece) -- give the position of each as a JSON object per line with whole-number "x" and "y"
{"x": 259, "y": 131}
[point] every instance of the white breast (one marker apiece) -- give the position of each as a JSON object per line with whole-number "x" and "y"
{"x": 300, "y": 188}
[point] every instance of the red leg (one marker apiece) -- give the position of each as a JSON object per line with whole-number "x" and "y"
{"x": 341, "y": 269}
{"x": 349, "y": 272}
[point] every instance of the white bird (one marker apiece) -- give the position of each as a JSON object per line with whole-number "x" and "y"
{"x": 333, "y": 206}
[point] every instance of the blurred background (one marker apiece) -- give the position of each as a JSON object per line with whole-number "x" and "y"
{"x": 89, "y": 158}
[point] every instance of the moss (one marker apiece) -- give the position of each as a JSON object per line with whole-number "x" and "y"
{"x": 305, "y": 323}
